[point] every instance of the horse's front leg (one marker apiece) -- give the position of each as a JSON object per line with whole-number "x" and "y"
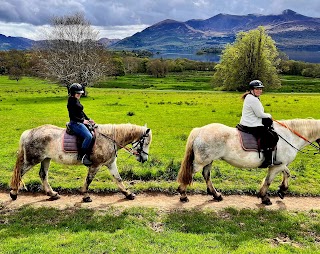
{"x": 285, "y": 183}
{"x": 43, "y": 173}
{"x": 272, "y": 172}
{"x": 92, "y": 171}
{"x": 211, "y": 190}
{"x": 115, "y": 173}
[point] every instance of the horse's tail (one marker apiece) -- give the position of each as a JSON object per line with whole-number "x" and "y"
{"x": 16, "y": 176}
{"x": 186, "y": 169}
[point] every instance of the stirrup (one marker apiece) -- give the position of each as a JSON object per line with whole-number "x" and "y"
{"x": 85, "y": 160}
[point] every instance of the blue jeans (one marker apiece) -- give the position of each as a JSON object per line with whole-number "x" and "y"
{"x": 82, "y": 131}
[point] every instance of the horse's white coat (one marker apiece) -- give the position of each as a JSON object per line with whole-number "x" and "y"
{"x": 217, "y": 141}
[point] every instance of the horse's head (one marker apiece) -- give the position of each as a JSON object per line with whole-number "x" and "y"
{"x": 141, "y": 146}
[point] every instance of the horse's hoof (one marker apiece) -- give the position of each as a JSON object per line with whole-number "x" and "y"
{"x": 280, "y": 194}
{"x": 55, "y": 197}
{"x": 13, "y": 196}
{"x": 131, "y": 196}
{"x": 184, "y": 199}
{"x": 87, "y": 199}
{"x": 266, "y": 202}
{"x": 218, "y": 198}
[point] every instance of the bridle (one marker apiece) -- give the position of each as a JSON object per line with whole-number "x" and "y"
{"x": 139, "y": 143}
{"x": 300, "y": 136}
{"x": 132, "y": 151}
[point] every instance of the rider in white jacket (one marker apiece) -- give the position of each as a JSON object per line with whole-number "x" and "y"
{"x": 251, "y": 119}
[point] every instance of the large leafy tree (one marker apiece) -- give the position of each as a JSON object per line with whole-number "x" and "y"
{"x": 253, "y": 55}
{"x": 71, "y": 53}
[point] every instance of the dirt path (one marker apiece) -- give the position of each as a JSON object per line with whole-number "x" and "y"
{"x": 161, "y": 201}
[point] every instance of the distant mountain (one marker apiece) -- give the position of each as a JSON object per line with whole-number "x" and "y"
{"x": 289, "y": 29}
{"x": 107, "y": 42}
{"x": 20, "y": 43}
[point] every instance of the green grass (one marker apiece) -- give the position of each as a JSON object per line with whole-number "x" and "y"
{"x": 298, "y": 84}
{"x": 196, "y": 81}
{"x": 192, "y": 80}
{"x": 138, "y": 230}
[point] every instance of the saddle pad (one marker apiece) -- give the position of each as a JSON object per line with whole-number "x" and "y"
{"x": 248, "y": 141}
{"x": 70, "y": 143}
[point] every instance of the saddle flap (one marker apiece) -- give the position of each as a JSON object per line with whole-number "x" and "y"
{"x": 70, "y": 143}
{"x": 248, "y": 141}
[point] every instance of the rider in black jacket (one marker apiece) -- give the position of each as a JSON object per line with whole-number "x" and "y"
{"x": 78, "y": 122}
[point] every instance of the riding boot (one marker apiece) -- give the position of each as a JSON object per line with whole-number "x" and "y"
{"x": 268, "y": 160}
{"x": 85, "y": 157}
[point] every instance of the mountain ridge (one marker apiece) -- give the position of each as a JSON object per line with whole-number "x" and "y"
{"x": 217, "y": 31}
{"x": 289, "y": 30}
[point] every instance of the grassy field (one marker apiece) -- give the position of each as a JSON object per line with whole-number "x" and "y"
{"x": 171, "y": 114}
{"x": 138, "y": 230}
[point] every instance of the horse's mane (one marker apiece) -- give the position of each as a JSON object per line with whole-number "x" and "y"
{"x": 303, "y": 126}
{"x": 122, "y": 132}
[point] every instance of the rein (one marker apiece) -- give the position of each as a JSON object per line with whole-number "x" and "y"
{"x": 299, "y": 135}
{"x": 128, "y": 149}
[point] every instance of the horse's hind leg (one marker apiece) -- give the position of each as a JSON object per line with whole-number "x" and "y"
{"x": 182, "y": 189}
{"x": 211, "y": 190}
{"x": 43, "y": 173}
{"x": 21, "y": 168}
{"x": 285, "y": 183}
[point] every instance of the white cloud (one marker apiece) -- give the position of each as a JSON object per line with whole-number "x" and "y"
{"x": 119, "y": 32}
{"x": 36, "y": 32}
{"x": 125, "y": 17}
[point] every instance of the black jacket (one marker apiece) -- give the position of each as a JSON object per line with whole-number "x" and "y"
{"x": 75, "y": 109}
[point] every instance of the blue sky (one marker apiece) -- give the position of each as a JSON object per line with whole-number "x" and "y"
{"x": 122, "y": 18}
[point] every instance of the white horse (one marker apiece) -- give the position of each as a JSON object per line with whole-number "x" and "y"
{"x": 44, "y": 143}
{"x": 217, "y": 141}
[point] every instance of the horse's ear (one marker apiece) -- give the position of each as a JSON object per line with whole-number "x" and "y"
{"x": 145, "y": 125}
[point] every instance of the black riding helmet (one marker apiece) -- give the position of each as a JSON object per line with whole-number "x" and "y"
{"x": 76, "y": 88}
{"x": 255, "y": 84}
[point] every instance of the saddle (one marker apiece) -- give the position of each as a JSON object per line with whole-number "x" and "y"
{"x": 250, "y": 143}
{"x": 72, "y": 143}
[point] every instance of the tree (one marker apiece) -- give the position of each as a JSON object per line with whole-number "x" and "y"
{"x": 252, "y": 56}
{"x": 71, "y": 53}
{"x": 16, "y": 64}
{"x": 157, "y": 68}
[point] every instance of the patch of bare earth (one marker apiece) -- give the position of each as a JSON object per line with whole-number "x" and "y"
{"x": 160, "y": 201}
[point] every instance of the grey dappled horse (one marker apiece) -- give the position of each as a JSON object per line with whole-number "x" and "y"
{"x": 44, "y": 143}
{"x": 217, "y": 141}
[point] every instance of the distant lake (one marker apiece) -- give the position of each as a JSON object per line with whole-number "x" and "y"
{"x": 305, "y": 56}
